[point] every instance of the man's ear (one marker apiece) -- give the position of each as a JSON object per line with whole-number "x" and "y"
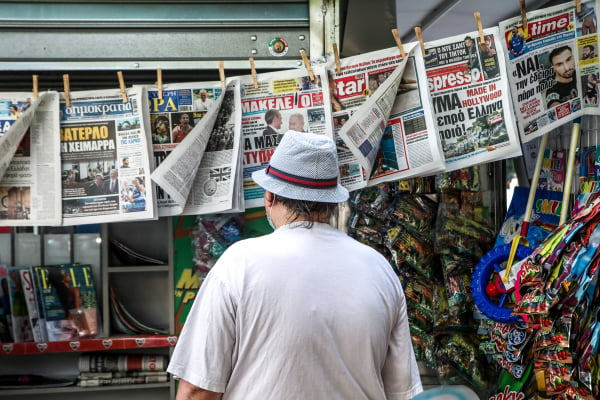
{"x": 269, "y": 199}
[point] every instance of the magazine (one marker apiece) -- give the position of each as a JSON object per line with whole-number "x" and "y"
{"x": 470, "y": 99}
{"x": 105, "y": 156}
{"x": 36, "y": 321}
{"x": 68, "y": 301}
{"x": 543, "y": 99}
{"x": 29, "y": 166}
{"x": 381, "y": 117}
{"x": 199, "y": 172}
{"x": 284, "y": 100}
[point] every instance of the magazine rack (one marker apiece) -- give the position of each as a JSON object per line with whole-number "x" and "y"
{"x": 145, "y": 290}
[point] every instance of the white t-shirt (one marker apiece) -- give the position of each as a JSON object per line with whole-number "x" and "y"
{"x": 299, "y": 314}
{"x": 202, "y": 105}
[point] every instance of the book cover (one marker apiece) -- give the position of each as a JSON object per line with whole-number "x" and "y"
{"x": 82, "y": 279}
{"x": 21, "y": 328}
{"x": 38, "y": 324}
{"x": 61, "y": 303}
{"x": 5, "y": 320}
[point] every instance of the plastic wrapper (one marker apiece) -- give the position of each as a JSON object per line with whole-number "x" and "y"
{"x": 412, "y": 249}
{"x": 461, "y": 352}
{"x": 423, "y": 345}
{"x": 212, "y": 236}
{"x": 416, "y": 212}
{"x": 419, "y": 301}
{"x": 466, "y": 179}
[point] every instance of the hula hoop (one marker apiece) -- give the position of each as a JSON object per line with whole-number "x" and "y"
{"x": 489, "y": 264}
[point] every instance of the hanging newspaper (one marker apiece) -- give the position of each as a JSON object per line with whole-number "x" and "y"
{"x": 285, "y": 100}
{"x": 470, "y": 99}
{"x": 587, "y": 50}
{"x": 200, "y": 173}
{"x": 105, "y": 157}
{"x": 30, "y": 160}
{"x": 382, "y": 119}
{"x": 542, "y": 69}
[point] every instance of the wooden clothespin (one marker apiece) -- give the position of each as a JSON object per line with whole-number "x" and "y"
{"x": 524, "y": 18}
{"x": 222, "y": 74}
{"x": 477, "y": 16}
{"x": 159, "y": 83}
{"x": 253, "y": 72}
{"x": 578, "y": 6}
{"x": 67, "y": 89}
{"x": 336, "y": 56}
{"x": 122, "y": 86}
{"x": 306, "y": 61}
{"x": 35, "y": 87}
{"x": 398, "y": 41}
{"x": 420, "y": 39}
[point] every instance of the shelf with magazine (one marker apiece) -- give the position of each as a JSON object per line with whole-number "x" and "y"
{"x": 138, "y": 296}
{"x": 132, "y": 309}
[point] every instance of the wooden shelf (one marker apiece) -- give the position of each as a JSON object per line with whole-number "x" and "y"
{"x": 101, "y": 344}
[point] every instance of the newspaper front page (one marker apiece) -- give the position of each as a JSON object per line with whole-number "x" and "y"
{"x": 470, "y": 99}
{"x": 200, "y": 174}
{"x": 284, "y": 100}
{"x": 105, "y": 156}
{"x": 382, "y": 118}
{"x": 542, "y": 66}
{"x": 30, "y": 160}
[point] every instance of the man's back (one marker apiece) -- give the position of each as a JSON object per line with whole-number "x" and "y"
{"x": 312, "y": 313}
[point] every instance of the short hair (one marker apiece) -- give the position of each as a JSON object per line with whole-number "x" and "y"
{"x": 297, "y": 116}
{"x": 589, "y": 46}
{"x": 557, "y": 51}
{"x": 303, "y": 209}
{"x": 271, "y": 114}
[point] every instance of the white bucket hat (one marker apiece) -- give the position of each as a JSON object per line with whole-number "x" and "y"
{"x": 303, "y": 167}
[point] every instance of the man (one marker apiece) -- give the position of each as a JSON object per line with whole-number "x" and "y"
{"x": 303, "y": 313}
{"x": 565, "y": 87}
{"x": 271, "y": 133}
{"x": 160, "y": 135}
{"x": 516, "y": 43}
{"x": 296, "y": 122}
{"x": 489, "y": 59}
{"x": 112, "y": 185}
{"x": 97, "y": 187}
{"x": 125, "y": 162}
{"x": 588, "y": 52}
{"x": 183, "y": 129}
{"x": 203, "y": 103}
{"x": 472, "y": 60}
{"x": 273, "y": 120}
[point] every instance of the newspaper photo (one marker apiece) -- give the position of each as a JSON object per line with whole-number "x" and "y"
{"x": 587, "y": 53}
{"x": 198, "y": 174}
{"x": 470, "y": 99}
{"x": 382, "y": 118}
{"x": 30, "y": 160}
{"x": 542, "y": 64}
{"x": 284, "y": 100}
{"x": 105, "y": 156}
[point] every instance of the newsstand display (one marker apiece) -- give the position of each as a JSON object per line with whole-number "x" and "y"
{"x": 435, "y": 231}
